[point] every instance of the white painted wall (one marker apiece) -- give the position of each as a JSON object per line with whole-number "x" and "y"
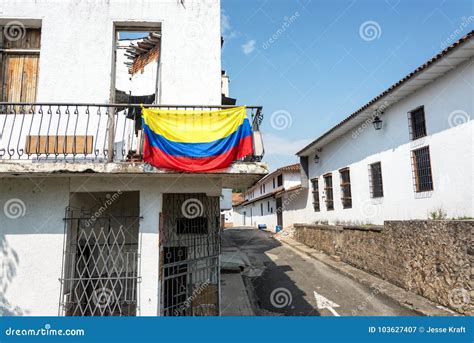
{"x": 293, "y": 204}
{"x": 291, "y": 179}
{"x": 451, "y": 150}
{"x": 31, "y": 246}
{"x": 77, "y": 60}
{"x": 265, "y": 185}
{"x": 254, "y": 215}
{"x": 77, "y": 43}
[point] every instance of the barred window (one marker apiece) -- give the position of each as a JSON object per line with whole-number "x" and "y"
{"x": 328, "y": 191}
{"x": 346, "y": 196}
{"x": 315, "y": 185}
{"x": 375, "y": 180}
{"x": 422, "y": 177}
{"x": 416, "y": 120}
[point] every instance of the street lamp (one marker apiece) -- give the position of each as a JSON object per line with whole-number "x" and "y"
{"x": 377, "y": 123}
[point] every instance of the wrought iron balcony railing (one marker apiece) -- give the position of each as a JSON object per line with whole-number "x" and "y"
{"x": 48, "y": 132}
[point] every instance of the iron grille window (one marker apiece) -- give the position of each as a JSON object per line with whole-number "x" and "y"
{"x": 315, "y": 185}
{"x": 189, "y": 273}
{"x": 198, "y": 226}
{"x": 417, "y": 123}
{"x": 261, "y": 209}
{"x": 280, "y": 180}
{"x": 100, "y": 265}
{"x": 328, "y": 191}
{"x": 376, "y": 184}
{"x": 421, "y": 162}
{"x": 346, "y": 197}
{"x": 268, "y": 206}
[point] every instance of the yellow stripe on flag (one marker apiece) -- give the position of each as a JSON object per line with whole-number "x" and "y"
{"x": 194, "y": 126}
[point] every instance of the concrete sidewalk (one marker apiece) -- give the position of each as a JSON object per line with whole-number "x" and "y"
{"x": 404, "y": 298}
{"x": 234, "y": 297}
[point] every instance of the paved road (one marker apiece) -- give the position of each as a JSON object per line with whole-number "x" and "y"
{"x": 284, "y": 281}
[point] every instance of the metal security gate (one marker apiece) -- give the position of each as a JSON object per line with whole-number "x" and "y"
{"x": 100, "y": 265}
{"x": 189, "y": 255}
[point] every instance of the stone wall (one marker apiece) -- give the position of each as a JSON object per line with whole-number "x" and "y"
{"x": 428, "y": 257}
{"x": 326, "y": 238}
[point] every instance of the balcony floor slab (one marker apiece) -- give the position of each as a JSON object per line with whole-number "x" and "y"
{"x": 239, "y": 175}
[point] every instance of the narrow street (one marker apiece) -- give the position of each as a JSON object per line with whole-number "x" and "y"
{"x": 282, "y": 281}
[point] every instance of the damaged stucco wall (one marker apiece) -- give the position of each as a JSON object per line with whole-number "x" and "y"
{"x": 191, "y": 50}
{"x": 432, "y": 258}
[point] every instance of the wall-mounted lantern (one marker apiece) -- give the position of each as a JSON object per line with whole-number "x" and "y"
{"x": 377, "y": 123}
{"x": 316, "y": 158}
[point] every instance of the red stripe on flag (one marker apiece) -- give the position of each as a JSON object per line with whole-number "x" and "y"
{"x": 157, "y": 158}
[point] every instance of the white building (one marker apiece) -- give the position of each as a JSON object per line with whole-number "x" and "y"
{"x": 277, "y": 199}
{"x": 77, "y": 204}
{"x": 420, "y": 161}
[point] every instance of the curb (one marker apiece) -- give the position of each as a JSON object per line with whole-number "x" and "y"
{"x": 404, "y": 298}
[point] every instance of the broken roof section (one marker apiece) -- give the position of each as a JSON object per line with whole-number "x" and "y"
{"x": 142, "y": 52}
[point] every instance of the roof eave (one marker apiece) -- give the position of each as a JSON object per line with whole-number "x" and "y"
{"x": 376, "y": 102}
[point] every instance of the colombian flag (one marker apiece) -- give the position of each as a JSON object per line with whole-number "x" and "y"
{"x": 195, "y": 141}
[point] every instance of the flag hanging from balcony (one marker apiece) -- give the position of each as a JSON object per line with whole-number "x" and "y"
{"x": 196, "y": 141}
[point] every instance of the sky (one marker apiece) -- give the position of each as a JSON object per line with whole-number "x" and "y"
{"x": 311, "y": 63}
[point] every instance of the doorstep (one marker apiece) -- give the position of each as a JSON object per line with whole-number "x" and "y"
{"x": 404, "y": 298}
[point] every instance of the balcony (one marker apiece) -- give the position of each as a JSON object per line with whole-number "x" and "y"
{"x": 44, "y": 138}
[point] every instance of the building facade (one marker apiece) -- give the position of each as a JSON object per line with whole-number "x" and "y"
{"x": 276, "y": 200}
{"x": 407, "y": 154}
{"x": 82, "y": 218}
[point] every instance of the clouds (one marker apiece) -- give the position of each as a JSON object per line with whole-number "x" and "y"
{"x": 249, "y": 47}
{"x": 278, "y": 145}
{"x": 227, "y": 32}
{"x": 281, "y": 151}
